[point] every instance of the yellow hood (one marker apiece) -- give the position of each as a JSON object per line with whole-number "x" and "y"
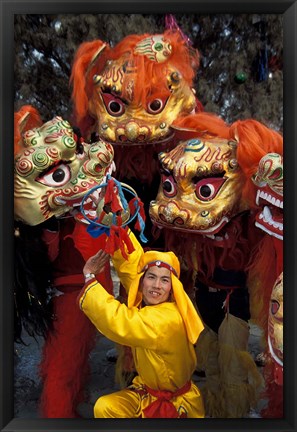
{"x": 189, "y": 314}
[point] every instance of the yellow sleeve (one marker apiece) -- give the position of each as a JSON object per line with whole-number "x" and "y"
{"x": 127, "y": 268}
{"x": 123, "y": 325}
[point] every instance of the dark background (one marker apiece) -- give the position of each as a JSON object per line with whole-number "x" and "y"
{"x": 241, "y": 67}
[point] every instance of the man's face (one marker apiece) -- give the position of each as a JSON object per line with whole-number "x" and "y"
{"x": 156, "y": 285}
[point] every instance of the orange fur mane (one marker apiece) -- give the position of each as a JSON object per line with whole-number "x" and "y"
{"x": 150, "y": 77}
{"x": 255, "y": 141}
{"x": 25, "y": 119}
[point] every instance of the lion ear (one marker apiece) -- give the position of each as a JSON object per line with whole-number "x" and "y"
{"x": 86, "y": 57}
{"x": 95, "y": 57}
{"x": 236, "y": 134}
{"x": 25, "y": 119}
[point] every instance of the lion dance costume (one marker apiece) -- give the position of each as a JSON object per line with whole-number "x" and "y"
{"x": 54, "y": 169}
{"x": 264, "y": 166}
{"x": 210, "y": 226}
{"x": 130, "y": 94}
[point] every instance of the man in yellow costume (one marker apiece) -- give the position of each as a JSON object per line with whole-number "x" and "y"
{"x": 161, "y": 326}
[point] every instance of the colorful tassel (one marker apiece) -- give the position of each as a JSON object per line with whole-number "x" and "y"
{"x": 111, "y": 196}
{"x": 124, "y": 240}
{"x": 171, "y": 24}
{"x": 119, "y": 239}
{"x": 117, "y": 234}
{"x": 95, "y": 231}
{"x": 120, "y": 193}
{"x": 134, "y": 205}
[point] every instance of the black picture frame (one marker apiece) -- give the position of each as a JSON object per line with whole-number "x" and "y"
{"x": 8, "y": 8}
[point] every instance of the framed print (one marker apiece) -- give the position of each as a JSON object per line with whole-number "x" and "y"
{"x": 68, "y": 61}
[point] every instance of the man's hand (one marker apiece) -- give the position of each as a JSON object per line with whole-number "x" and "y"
{"x": 96, "y": 263}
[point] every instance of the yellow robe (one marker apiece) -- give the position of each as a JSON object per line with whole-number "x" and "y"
{"x": 164, "y": 357}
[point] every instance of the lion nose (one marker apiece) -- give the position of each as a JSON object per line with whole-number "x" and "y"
{"x": 132, "y": 130}
{"x": 173, "y": 214}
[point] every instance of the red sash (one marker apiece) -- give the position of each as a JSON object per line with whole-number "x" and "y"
{"x": 162, "y": 407}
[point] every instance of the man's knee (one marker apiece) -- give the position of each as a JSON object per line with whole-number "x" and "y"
{"x": 102, "y": 407}
{"x": 121, "y": 404}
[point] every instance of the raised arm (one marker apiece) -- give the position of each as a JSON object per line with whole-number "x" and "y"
{"x": 123, "y": 325}
{"x": 127, "y": 268}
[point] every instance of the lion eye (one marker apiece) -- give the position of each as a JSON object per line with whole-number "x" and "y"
{"x": 207, "y": 189}
{"x": 169, "y": 186}
{"x": 156, "y": 106}
{"x": 57, "y": 176}
{"x": 114, "y": 106}
{"x": 274, "y": 307}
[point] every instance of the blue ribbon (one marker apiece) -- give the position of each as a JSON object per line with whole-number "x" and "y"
{"x": 141, "y": 223}
{"x": 95, "y": 231}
